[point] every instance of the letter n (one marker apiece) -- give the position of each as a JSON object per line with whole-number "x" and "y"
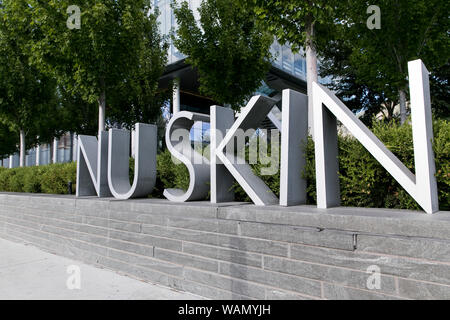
{"x": 92, "y": 165}
{"x": 327, "y": 108}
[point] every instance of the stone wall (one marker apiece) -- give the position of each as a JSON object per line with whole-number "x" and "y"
{"x": 240, "y": 251}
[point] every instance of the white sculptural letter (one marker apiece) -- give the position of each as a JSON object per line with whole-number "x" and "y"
{"x": 221, "y": 178}
{"x": 421, "y": 186}
{"x": 294, "y": 136}
{"x": 251, "y": 116}
{"x": 144, "y": 165}
{"x": 92, "y": 165}
{"x": 179, "y": 144}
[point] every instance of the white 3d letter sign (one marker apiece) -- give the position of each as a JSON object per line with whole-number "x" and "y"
{"x": 92, "y": 164}
{"x": 179, "y": 145}
{"x": 327, "y": 108}
{"x": 103, "y": 165}
{"x": 144, "y": 164}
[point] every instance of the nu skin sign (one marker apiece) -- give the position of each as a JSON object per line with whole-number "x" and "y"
{"x": 103, "y": 163}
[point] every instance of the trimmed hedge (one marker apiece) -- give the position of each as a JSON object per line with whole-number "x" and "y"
{"x": 51, "y": 179}
{"x": 363, "y": 181}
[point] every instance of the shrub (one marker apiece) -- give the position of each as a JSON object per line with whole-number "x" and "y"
{"x": 46, "y": 179}
{"x": 33, "y": 179}
{"x": 365, "y": 183}
{"x": 16, "y": 180}
{"x": 442, "y": 153}
{"x": 55, "y": 178}
{"x": 169, "y": 174}
{"x": 4, "y": 179}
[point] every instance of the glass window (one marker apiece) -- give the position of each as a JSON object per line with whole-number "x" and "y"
{"x": 288, "y": 59}
{"x": 275, "y": 50}
{"x": 299, "y": 65}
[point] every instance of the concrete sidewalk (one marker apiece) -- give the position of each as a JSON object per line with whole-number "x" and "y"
{"x": 29, "y": 273}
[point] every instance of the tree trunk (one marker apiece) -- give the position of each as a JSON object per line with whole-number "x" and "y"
{"x": 22, "y": 148}
{"x": 176, "y": 97}
{"x": 50, "y": 146}
{"x": 402, "y": 95}
{"x": 311, "y": 69}
{"x": 71, "y": 135}
{"x": 101, "y": 112}
{"x": 55, "y": 150}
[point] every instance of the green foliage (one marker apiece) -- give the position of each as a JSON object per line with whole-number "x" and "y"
{"x": 358, "y": 96}
{"x": 365, "y": 183}
{"x": 4, "y": 178}
{"x": 442, "y": 154}
{"x": 15, "y": 180}
{"x": 171, "y": 175}
{"x": 291, "y": 20}
{"x": 55, "y": 179}
{"x": 376, "y": 61}
{"x": 50, "y": 179}
{"x": 8, "y": 141}
{"x": 410, "y": 30}
{"x": 32, "y": 180}
{"x": 368, "y": 67}
{"x": 440, "y": 91}
{"x": 228, "y": 49}
{"x": 271, "y": 180}
{"x": 114, "y": 60}
{"x": 27, "y": 96}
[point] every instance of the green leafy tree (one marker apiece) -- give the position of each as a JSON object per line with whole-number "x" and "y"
{"x": 227, "y": 47}
{"x": 410, "y": 29}
{"x": 357, "y": 95}
{"x": 105, "y": 57}
{"x": 301, "y": 23}
{"x": 440, "y": 91}
{"x": 27, "y": 96}
{"x": 8, "y": 142}
{"x": 140, "y": 92}
{"x": 78, "y": 115}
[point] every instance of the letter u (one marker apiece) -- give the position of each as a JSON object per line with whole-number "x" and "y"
{"x": 144, "y": 166}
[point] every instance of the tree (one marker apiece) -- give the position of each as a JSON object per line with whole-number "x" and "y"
{"x": 78, "y": 115}
{"x": 8, "y": 143}
{"x": 103, "y": 56}
{"x": 27, "y": 96}
{"x": 357, "y": 95}
{"x": 302, "y": 24}
{"x": 410, "y": 30}
{"x": 440, "y": 91}
{"x": 140, "y": 92}
{"x": 228, "y": 49}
